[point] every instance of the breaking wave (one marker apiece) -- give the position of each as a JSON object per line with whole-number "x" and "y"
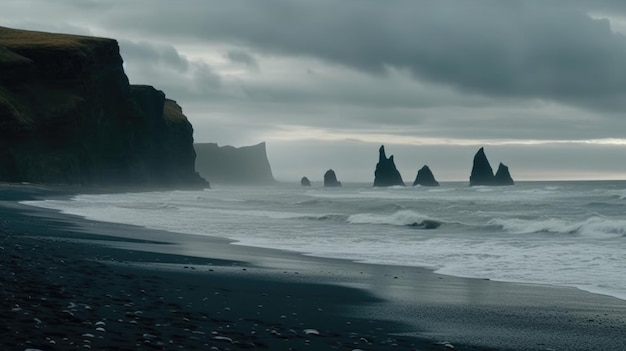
{"x": 399, "y": 218}
{"x": 593, "y": 227}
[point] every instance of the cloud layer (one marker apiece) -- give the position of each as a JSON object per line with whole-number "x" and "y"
{"x": 365, "y": 72}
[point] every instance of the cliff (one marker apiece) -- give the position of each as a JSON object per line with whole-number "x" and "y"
{"x": 330, "y": 179}
{"x": 69, "y": 115}
{"x": 231, "y": 165}
{"x": 425, "y": 177}
{"x": 386, "y": 173}
{"x": 482, "y": 173}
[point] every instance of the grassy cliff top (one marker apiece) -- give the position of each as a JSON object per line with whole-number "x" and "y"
{"x": 22, "y": 39}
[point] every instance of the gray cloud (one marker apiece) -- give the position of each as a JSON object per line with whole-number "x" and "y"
{"x": 523, "y": 49}
{"x": 148, "y": 53}
{"x": 468, "y": 70}
{"x": 242, "y": 57}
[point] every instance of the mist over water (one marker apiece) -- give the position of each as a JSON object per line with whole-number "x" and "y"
{"x": 560, "y": 233}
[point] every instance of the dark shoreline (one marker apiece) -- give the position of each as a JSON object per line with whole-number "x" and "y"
{"x": 203, "y": 292}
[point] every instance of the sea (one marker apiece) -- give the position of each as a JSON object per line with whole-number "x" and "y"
{"x": 557, "y": 233}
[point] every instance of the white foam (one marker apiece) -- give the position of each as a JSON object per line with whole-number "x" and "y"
{"x": 400, "y": 218}
{"x": 592, "y": 227}
{"x": 528, "y": 233}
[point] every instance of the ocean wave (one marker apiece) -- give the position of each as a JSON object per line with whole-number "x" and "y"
{"x": 596, "y": 227}
{"x": 618, "y": 194}
{"x": 399, "y": 218}
{"x": 147, "y": 206}
{"x": 326, "y": 217}
{"x": 307, "y": 202}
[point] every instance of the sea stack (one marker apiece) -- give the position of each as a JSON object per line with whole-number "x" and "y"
{"x": 305, "y": 181}
{"x": 330, "y": 179}
{"x": 386, "y": 173}
{"x": 425, "y": 177}
{"x": 503, "y": 177}
{"x": 482, "y": 173}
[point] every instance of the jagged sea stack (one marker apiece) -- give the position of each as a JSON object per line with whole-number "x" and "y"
{"x": 386, "y": 173}
{"x": 503, "y": 177}
{"x": 330, "y": 179}
{"x": 425, "y": 177}
{"x": 482, "y": 173}
{"x": 305, "y": 181}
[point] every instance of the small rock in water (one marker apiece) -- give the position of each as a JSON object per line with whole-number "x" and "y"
{"x": 311, "y": 332}
{"x": 223, "y": 338}
{"x": 445, "y": 344}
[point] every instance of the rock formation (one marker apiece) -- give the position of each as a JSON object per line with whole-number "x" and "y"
{"x": 330, "y": 179}
{"x": 232, "y": 165}
{"x": 69, "y": 115}
{"x": 305, "y": 181}
{"x": 386, "y": 173}
{"x": 425, "y": 178}
{"x": 503, "y": 177}
{"x": 482, "y": 173}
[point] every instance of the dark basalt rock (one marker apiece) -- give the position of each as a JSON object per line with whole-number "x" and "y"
{"x": 330, "y": 179}
{"x": 425, "y": 178}
{"x": 234, "y": 165}
{"x": 386, "y": 173}
{"x": 482, "y": 173}
{"x": 305, "y": 181}
{"x": 68, "y": 115}
{"x": 503, "y": 177}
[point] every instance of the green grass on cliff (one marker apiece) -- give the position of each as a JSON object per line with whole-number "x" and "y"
{"x": 15, "y": 39}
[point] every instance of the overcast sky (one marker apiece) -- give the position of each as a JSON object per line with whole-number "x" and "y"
{"x": 540, "y": 84}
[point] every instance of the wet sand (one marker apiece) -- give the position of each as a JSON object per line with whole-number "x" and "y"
{"x": 67, "y": 283}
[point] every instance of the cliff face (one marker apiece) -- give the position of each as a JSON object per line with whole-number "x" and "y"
{"x": 386, "y": 173}
{"x": 231, "y": 165}
{"x": 68, "y": 115}
{"x": 482, "y": 173}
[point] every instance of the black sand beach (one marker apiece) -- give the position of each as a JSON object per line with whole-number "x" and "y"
{"x": 67, "y": 283}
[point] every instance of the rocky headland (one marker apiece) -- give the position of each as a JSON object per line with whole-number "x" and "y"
{"x": 482, "y": 173}
{"x": 68, "y": 115}
{"x": 386, "y": 173}
{"x": 234, "y": 165}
